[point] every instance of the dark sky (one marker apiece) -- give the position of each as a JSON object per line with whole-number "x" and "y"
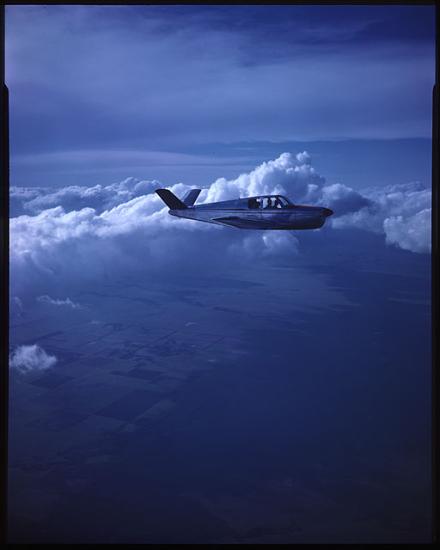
{"x": 93, "y": 86}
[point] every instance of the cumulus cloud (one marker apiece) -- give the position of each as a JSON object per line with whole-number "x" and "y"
{"x": 286, "y": 174}
{"x": 80, "y": 232}
{"x": 31, "y": 358}
{"x": 269, "y": 244}
{"x": 401, "y": 212}
{"x": 45, "y": 299}
{"x": 289, "y": 174}
{"x": 75, "y": 197}
{"x": 19, "y": 196}
{"x": 411, "y": 232}
{"x": 343, "y": 199}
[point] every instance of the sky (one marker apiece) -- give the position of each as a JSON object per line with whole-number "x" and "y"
{"x": 193, "y": 93}
{"x": 238, "y": 386}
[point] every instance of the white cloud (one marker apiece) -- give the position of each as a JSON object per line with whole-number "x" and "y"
{"x": 45, "y": 299}
{"x": 286, "y": 174}
{"x": 128, "y": 225}
{"x": 75, "y": 197}
{"x": 81, "y": 233}
{"x": 343, "y": 199}
{"x": 401, "y": 212}
{"x": 269, "y": 244}
{"x": 31, "y": 358}
{"x": 410, "y": 233}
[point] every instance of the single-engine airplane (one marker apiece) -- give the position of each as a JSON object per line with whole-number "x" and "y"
{"x": 262, "y": 212}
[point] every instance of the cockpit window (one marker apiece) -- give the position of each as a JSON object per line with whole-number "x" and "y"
{"x": 284, "y": 203}
{"x": 268, "y": 202}
{"x": 273, "y": 201}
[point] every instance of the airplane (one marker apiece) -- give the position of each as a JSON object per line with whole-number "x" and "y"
{"x": 259, "y": 212}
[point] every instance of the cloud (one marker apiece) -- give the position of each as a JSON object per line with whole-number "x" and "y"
{"x": 343, "y": 199}
{"x": 129, "y": 221}
{"x": 19, "y": 196}
{"x": 75, "y": 197}
{"x": 45, "y": 299}
{"x": 401, "y": 212}
{"x": 268, "y": 245}
{"x": 84, "y": 233}
{"x": 286, "y": 174}
{"x": 410, "y": 233}
{"x": 31, "y": 358}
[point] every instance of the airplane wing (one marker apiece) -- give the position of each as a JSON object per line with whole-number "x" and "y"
{"x": 243, "y": 223}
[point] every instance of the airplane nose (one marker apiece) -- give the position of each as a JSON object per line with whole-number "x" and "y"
{"x": 327, "y": 212}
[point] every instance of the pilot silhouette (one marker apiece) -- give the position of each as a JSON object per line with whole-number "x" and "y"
{"x": 269, "y": 203}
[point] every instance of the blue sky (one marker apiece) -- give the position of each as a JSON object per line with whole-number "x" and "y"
{"x": 190, "y": 93}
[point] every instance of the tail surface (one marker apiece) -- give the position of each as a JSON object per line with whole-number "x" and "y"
{"x": 171, "y": 200}
{"x": 191, "y": 197}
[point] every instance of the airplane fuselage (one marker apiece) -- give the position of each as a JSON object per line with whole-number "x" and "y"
{"x": 299, "y": 217}
{"x": 272, "y": 212}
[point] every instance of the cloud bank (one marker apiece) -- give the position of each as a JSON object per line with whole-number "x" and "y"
{"x": 401, "y": 212}
{"x": 31, "y": 358}
{"x": 90, "y": 231}
{"x": 74, "y": 197}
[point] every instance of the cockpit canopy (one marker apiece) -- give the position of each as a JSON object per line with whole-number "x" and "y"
{"x": 269, "y": 201}
{"x": 263, "y": 201}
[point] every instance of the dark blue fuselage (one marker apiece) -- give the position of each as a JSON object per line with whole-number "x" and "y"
{"x": 272, "y": 212}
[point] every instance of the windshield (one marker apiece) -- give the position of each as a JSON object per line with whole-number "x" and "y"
{"x": 272, "y": 201}
{"x": 284, "y": 201}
